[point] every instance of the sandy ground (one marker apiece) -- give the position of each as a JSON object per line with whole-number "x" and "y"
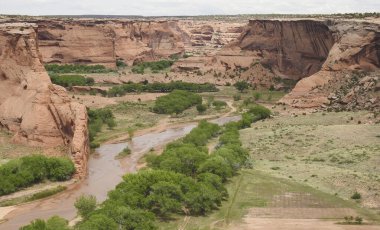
{"x": 98, "y": 101}
{"x": 4, "y": 211}
{"x": 296, "y": 224}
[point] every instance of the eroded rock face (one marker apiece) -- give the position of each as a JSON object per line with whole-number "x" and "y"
{"x": 102, "y": 42}
{"x": 294, "y": 49}
{"x": 36, "y": 111}
{"x": 353, "y": 60}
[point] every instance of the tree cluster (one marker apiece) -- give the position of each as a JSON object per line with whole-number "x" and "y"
{"x": 176, "y": 102}
{"x": 26, "y": 171}
{"x": 160, "y": 88}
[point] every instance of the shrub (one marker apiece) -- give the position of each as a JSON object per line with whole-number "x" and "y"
{"x": 160, "y": 87}
{"x": 176, "y": 102}
{"x": 71, "y": 80}
{"x": 219, "y": 104}
{"x": 67, "y": 68}
{"x": 155, "y": 66}
{"x": 237, "y": 97}
{"x": 53, "y": 223}
{"x": 356, "y": 196}
{"x": 120, "y": 63}
{"x": 241, "y": 85}
{"x": 29, "y": 170}
{"x": 201, "y": 108}
{"x": 260, "y": 112}
{"x": 60, "y": 169}
{"x": 97, "y": 119}
{"x": 85, "y": 205}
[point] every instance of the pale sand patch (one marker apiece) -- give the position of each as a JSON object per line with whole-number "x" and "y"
{"x": 4, "y": 211}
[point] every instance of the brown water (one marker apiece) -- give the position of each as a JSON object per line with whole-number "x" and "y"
{"x": 105, "y": 172}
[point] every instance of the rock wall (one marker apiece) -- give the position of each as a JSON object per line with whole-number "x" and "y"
{"x": 36, "y": 111}
{"x": 102, "y": 42}
{"x": 292, "y": 49}
{"x": 349, "y": 76}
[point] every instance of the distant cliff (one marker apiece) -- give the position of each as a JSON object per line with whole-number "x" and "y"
{"x": 36, "y": 111}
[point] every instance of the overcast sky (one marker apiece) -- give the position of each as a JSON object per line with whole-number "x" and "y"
{"x": 184, "y": 7}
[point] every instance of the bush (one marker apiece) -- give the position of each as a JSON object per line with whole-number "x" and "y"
{"x": 237, "y": 97}
{"x": 160, "y": 88}
{"x": 356, "y": 196}
{"x": 53, "y": 223}
{"x": 201, "y": 108}
{"x": 155, "y": 66}
{"x": 60, "y": 169}
{"x": 176, "y": 102}
{"x": 71, "y": 80}
{"x": 241, "y": 85}
{"x": 67, "y": 68}
{"x": 260, "y": 112}
{"x": 85, "y": 205}
{"x": 219, "y": 104}
{"x": 120, "y": 63}
{"x": 29, "y": 170}
{"x": 97, "y": 119}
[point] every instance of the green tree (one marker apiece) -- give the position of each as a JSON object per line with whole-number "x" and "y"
{"x": 241, "y": 85}
{"x": 53, "y": 223}
{"x": 165, "y": 198}
{"x": 217, "y": 165}
{"x": 98, "y": 222}
{"x": 85, "y": 205}
{"x": 201, "y": 108}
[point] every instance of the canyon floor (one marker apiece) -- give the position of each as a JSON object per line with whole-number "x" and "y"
{"x": 295, "y": 182}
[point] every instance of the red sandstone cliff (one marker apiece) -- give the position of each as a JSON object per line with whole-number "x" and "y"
{"x": 102, "y": 42}
{"x": 350, "y": 76}
{"x": 292, "y": 49}
{"x": 36, "y": 111}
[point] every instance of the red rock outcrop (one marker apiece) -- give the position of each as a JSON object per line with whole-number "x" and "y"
{"x": 292, "y": 49}
{"x": 36, "y": 111}
{"x": 102, "y": 42}
{"x": 356, "y": 48}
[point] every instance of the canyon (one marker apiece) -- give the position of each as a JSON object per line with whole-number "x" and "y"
{"x": 314, "y": 65}
{"x": 318, "y": 57}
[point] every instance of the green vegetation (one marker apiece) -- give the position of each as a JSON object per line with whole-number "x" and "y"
{"x": 71, "y": 80}
{"x": 85, "y": 205}
{"x": 36, "y": 196}
{"x": 350, "y": 220}
{"x": 53, "y": 223}
{"x": 67, "y": 68}
{"x": 356, "y": 196}
{"x": 120, "y": 63}
{"x": 219, "y": 104}
{"x": 26, "y": 171}
{"x": 184, "y": 179}
{"x": 159, "y": 88}
{"x": 176, "y": 102}
{"x": 126, "y": 152}
{"x": 201, "y": 108}
{"x": 241, "y": 85}
{"x": 155, "y": 66}
{"x": 97, "y": 119}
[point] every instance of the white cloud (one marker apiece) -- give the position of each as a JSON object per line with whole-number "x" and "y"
{"x": 183, "y": 7}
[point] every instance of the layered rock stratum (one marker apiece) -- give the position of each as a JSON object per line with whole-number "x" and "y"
{"x": 315, "y": 56}
{"x": 37, "y": 112}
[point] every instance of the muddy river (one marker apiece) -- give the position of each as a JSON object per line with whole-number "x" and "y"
{"x": 105, "y": 172}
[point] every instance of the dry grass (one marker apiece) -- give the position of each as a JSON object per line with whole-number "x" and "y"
{"x": 330, "y": 152}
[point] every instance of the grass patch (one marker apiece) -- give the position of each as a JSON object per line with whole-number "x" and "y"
{"x": 36, "y": 196}
{"x": 126, "y": 152}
